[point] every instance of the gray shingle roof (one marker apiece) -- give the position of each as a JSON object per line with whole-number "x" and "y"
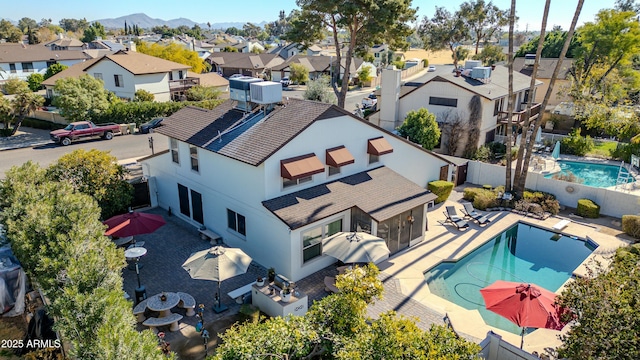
{"x": 545, "y": 68}
{"x": 10, "y": 53}
{"x": 254, "y": 144}
{"x": 381, "y": 193}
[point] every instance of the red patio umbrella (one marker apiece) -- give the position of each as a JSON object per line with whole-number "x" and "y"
{"x": 133, "y": 223}
{"x": 526, "y": 305}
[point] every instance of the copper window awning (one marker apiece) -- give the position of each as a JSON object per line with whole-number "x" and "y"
{"x": 379, "y": 146}
{"x": 339, "y": 156}
{"x": 301, "y": 166}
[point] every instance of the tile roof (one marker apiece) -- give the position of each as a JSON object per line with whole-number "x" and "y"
{"x": 12, "y": 53}
{"x": 381, "y": 193}
{"x": 255, "y": 143}
{"x": 138, "y": 63}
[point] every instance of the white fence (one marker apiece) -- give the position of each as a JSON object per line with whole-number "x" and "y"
{"x": 612, "y": 203}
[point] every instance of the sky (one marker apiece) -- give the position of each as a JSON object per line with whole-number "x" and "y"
{"x": 256, "y": 11}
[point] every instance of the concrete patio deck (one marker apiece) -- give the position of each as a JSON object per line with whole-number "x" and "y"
{"x": 406, "y": 291}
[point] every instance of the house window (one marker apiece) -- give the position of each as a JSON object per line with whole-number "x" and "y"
{"x": 180, "y": 76}
{"x": 333, "y": 170}
{"x": 173, "y": 143}
{"x": 499, "y": 104}
{"x": 373, "y": 159}
{"x": 193, "y": 152}
{"x": 236, "y": 222}
{"x": 183, "y": 196}
{"x": 27, "y": 67}
{"x": 12, "y": 68}
{"x": 433, "y": 100}
{"x": 170, "y": 75}
{"x": 118, "y": 80}
{"x": 288, "y": 183}
{"x": 312, "y": 239}
{"x": 49, "y": 63}
{"x": 97, "y": 76}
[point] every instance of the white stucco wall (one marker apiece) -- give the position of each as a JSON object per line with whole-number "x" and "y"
{"x": 157, "y": 84}
{"x": 406, "y": 159}
{"x": 38, "y": 67}
{"x": 108, "y": 69}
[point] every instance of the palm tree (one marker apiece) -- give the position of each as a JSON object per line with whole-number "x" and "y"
{"x": 24, "y": 104}
{"x": 521, "y": 176}
{"x": 510, "y": 103}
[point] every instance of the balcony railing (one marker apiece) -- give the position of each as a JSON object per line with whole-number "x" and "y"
{"x": 183, "y": 84}
{"x": 518, "y": 116}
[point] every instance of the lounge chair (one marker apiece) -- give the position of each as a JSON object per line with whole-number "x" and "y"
{"x": 470, "y": 211}
{"x": 454, "y": 218}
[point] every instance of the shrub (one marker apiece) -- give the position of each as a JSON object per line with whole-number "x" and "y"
{"x": 441, "y": 188}
{"x": 497, "y": 147}
{"x": 470, "y": 193}
{"x": 623, "y": 151}
{"x": 568, "y": 177}
{"x": 143, "y": 95}
{"x": 575, "y": 144}
{"x": 546, "y": 200}
{"x": 482, "y": 154}
{"x": 631, "y": 225}
{"x": 485, "y": 199}
{"x": 588, "y": 209}
{"x": 249, "y": 313}
{"x": 551, "y": 206}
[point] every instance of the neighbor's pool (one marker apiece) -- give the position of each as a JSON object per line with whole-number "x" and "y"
{"x": 590, "y": 174}
{"x": 522, "y": 253}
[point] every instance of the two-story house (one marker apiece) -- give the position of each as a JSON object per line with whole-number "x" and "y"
{"x": 449, "y": 94}
{"x": 126, "y": 72}
{"x": 278, "y": 180}
{"x": 20, "y": 60}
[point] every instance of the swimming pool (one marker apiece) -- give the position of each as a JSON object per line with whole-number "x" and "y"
{"x": 522, "y": 253}
{"x": 591, "y": 174}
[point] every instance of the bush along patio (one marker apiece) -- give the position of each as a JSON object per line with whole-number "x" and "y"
{"x": 535, "y": 204}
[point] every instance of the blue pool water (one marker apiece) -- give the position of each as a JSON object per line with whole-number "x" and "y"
{"x": 590, "y": 174}
{"x": 522, "y": 253}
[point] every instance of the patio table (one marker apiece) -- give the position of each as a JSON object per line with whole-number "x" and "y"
{"x": 163, "y": 307}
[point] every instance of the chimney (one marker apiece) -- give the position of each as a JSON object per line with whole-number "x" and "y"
{"x": 389, "y": 98}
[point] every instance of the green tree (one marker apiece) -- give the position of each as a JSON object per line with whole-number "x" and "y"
{"x": 229, "y": 48}
{"x": 26, "y": 23}
{"x": 80, "y": 98}
{"x": 202, "y": 93}
{"x": 553, "y": 42}
{"x": 482, "y": 19}
{"x": 420, "y": 126}
{"x": 443, "y": 31}
{"x": 251, "y": 30}
{"x": 490, "y": 54}
{"x": 97, "y": 174}
{"x": 604, "y": 304}
{"x": 461, "y": 53}
{"x": 364, "y": 75}
{"x": 320, "y": 90}
{"x": 10, "y": 32}
{"x": 336, "y": 327}
{"x": 15, "y": 86}
{"x": 35, "y": 81}
{"x": 298, "y": 73}
{"x": 143, "y": 95}
{"x": 74, "y": 25}
{"x": 363, "y": 23}
{"x": 94, "y": 31}
{"x": 23, "y": 104}
{"x": 54, "y": 69}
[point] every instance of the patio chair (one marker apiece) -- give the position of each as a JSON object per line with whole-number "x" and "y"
{"x": 470, "y": 211}
{"x": 454, "y": 218}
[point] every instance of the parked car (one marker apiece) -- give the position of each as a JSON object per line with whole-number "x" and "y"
{"x": 431, "y": 68}
{"x": 370, "y": 101}
{"x": 146, "y": 127}
{"x": 82, "y": 130}
{"x": 285, "y": 82}
{"x": 235, "y": 76}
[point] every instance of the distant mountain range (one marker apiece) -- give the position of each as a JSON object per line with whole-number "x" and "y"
{"x": 145, "y": 22}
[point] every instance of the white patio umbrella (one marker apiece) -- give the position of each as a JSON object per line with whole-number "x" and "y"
{"x": 218, "y": 264}
{"x": 355, "y": 247}
{"x": 556, "y": 151}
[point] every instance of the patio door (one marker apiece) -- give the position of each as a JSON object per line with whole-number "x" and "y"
{"x": 399, "y": 230}
{"x": 190, "y": 206}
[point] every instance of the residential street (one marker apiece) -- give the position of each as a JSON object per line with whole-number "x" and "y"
{"x": 122, "y": 147}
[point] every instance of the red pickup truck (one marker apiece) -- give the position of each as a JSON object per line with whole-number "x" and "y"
{"x": 82, "y": 130}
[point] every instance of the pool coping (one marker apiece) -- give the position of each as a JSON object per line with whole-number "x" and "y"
{"x": 443, "y": 242}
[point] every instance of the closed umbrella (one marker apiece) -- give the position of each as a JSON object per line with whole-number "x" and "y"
{"x": 556, "y": 151}
{"x": 356, "y": 247}
{"x": 133, "y": 223}
{"x": 218, "y": 264}
{"x": 526, "y": 305}
{"x": 539, "y": 135}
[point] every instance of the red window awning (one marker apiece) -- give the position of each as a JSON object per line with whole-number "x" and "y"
{"x": 379, "y": 146}
{"x": 301, "y": 166}
{"x": 339, "y": 156}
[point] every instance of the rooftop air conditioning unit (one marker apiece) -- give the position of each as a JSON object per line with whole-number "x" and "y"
{"x": 529, "y": 59}
{"x": 266, "y": 92}
{"x": 470, "y": 64}
{"x": 481, "y": 72}
{"x": 239, "y": 88}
